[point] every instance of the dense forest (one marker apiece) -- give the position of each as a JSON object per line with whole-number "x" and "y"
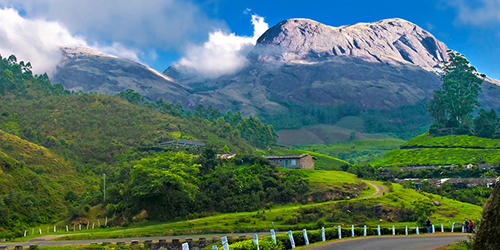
{"x": 90, "y": 134}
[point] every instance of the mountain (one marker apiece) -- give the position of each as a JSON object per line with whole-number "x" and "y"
{"x": 87, "y": 70}
{"x": 300, "y": 73}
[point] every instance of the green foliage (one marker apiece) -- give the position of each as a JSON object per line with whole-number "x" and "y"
{"x": 452, "y": 104}
{"x": 486, "y": 124}
{"x": 169, "y": 185}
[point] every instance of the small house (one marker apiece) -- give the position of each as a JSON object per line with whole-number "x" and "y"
{"x": 303, "y": 161}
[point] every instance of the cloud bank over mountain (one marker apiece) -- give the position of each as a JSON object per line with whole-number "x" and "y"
{"x": 38, "y": 41}
{"x": 224, "y": 52}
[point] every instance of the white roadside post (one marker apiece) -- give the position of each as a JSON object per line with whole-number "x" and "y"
{"x": 417, "y": 230}
{"x": 225, "y": 244}
{"x": 79, "y": 227}
{"x": 25, "y": 233}
{"x": 67, "y": 229}
{"x": 306, "y": 240}
{"x": 185, "y": 246}
{"x": 214, "y": 247}
{"x": 340, "y": 232}
{"x": 88, "y": 223}
{"x": 290, "y": 235}
{"x": 463, "y": 230}
{"x": 364, "y": 230}
{"x": 323, "y": 234}
{"x": 273, "y": 235}
{"x": 452, "y": 227}
{"x": 393, "y": 230}
{"x": 433, "y": 229}
{"x": 352, "y": 230}
{"x": 106, "y": 223}
{"x": 378, "y": 230}
{"x": 256, "y": 240}
{"x": 55, "y": 229}
{"x": 442, "y": 228}
{"x": 406, "y": 230}
{"x": 93, "y": 224}
{"x": 40, "y": 230}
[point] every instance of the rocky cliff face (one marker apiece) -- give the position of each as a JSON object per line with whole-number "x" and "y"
{"x": 87, "y": 70}
{"x": 393, "y": 41}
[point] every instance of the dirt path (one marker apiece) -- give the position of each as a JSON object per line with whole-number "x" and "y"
{"x": 380, "y": 189}
{"x": 48, "y": 237}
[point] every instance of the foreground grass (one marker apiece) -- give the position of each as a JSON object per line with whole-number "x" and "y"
{"x": 450, "y": 211}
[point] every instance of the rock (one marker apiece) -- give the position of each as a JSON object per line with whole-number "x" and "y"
{"x": 436, "y": 203}
{"x": 488, "y": 234}
{"x": 392, "y": 41}
{"x": 87, "y": 70}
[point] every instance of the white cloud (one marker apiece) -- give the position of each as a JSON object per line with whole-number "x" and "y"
{"x": 477, "y": 12}
{"x": 165, "y": 24}
{"x": 37, "y": 41}
{"x": 223, "y": 53}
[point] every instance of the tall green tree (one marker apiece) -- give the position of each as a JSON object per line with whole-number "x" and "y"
{"x": 486, "y": 123}
{"x": 453, "y": 103}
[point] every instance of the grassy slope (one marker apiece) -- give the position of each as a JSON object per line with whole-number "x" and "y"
{"x": 445, "y": 150}
{"x": 450, "y": 210}
{"x": 33, "y": 180}
{"x": 356, "y": 152}
{"x": 322, "y": 162}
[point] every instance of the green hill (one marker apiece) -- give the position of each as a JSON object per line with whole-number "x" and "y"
{"x": 444, "y": 150}
{"x": 35, "y": 184}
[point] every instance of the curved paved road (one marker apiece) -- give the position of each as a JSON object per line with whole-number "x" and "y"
{"x": 380, "y": 190}
{"x": 392, "y": 242}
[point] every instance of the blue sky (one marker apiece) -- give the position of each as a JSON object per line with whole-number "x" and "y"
{"x": 162, "y": 32}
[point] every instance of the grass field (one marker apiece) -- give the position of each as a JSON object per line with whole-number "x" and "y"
{"x": 356, "y": 152}
{"x": 357, "y": 211}
{"x": 346, "y": 129}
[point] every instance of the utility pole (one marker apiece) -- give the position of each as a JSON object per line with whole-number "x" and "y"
{"x": 104, "y": 189}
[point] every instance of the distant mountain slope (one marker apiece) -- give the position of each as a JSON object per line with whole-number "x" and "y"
{"x": 92, "y": 71}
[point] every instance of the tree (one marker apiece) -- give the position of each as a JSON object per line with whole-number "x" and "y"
{"x": 486, "y": 123}
{"x": 165, "y": 184}
{"x": 453, "y": 103}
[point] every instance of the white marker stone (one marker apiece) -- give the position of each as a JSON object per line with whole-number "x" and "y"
{"x": 185, "y": 246}
{"x": 406, "y": 230}
{"x": 378, "y": 230}
{"x": 417, "y": 230}
{"x": 352, "y": 230}
{"x": 340, "y": 232}
{"x": 323, "y": 234}
{"x": 273, "y": 235}
{"x": 393, "y": 230}
{"x": 292, "y": 242}
{"x": 364, "y": 230}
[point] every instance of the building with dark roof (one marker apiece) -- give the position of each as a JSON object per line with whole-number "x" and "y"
{"x": 303, "y": 161}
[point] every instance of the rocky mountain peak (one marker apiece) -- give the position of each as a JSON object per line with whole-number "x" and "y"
{"x": 394, "y": 41}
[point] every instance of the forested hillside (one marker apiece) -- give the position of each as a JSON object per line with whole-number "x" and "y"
{"x": 56, "y": 144}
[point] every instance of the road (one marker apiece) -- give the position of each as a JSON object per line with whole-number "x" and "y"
{"x": 380, "y": 190}
{"x": 392, "y": 242}
{"x": 41, "y": 242}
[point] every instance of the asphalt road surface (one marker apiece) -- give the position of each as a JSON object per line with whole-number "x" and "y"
{"x": 41, "y": 242}
{"x": 392, "y": 242}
